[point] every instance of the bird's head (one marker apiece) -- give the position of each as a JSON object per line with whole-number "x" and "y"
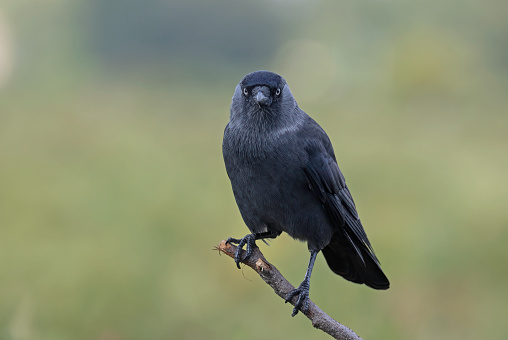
{"x": 262, "y": 95}
{"x": 262, "y": 88}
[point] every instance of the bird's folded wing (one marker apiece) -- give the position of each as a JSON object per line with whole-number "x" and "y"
{"x": 329, "y": 186}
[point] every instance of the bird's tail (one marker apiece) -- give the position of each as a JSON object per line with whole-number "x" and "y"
{"x": 344, "y": 260}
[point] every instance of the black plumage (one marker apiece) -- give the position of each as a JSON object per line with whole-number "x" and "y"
{"x": 285, "y": 178}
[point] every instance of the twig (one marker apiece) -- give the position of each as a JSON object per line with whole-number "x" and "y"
{"x": 281, "y": 286}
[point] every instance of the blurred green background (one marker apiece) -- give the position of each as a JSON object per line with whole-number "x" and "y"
{"x": 113, "y": 191}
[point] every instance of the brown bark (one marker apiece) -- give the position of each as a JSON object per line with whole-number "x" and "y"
{"x": 281, "y": 286}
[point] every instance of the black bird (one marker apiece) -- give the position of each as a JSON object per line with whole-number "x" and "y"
{"x": 285, "y": 177}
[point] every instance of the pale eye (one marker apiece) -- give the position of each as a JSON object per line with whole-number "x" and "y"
{"x": 277, "y": 92}
{"x": 245, "y": 91}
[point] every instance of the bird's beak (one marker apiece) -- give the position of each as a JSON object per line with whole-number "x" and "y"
{"x": 261, "y": 99}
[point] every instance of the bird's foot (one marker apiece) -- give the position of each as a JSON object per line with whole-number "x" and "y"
{"x": 249, "y": 240}
{"x": 302, "y": 304}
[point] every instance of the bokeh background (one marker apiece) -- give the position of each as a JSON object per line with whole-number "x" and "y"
{"x": 113, "y": 191}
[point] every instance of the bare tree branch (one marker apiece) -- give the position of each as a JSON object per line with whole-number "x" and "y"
{"x": 281, "y": 286}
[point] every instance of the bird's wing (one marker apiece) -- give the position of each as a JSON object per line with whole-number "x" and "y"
{"x": 329, "y": 186}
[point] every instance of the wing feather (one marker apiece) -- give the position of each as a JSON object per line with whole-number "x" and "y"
{"x": 328, "y": 184}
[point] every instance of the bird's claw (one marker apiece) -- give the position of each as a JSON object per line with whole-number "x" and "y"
{"x": 302, "y": 304}
{"x": 249, "y": 240}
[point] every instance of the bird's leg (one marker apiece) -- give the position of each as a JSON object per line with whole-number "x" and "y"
{"x": 303, "y": 290}
{"x": 250, "y": 241}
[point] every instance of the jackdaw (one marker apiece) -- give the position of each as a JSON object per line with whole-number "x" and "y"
{"x": 285, "y": 177}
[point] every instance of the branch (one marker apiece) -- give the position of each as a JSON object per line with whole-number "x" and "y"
{"x": 281, "y": 286}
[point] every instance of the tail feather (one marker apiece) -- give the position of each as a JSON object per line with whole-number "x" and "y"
{"x": 343, "y": 259}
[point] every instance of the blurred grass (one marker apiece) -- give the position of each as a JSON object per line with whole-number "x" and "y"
{"x": 113, "y": 190}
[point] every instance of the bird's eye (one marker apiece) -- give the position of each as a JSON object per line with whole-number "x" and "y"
{"x": 245, "y": 91}
{"x": 277, "y": 92}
